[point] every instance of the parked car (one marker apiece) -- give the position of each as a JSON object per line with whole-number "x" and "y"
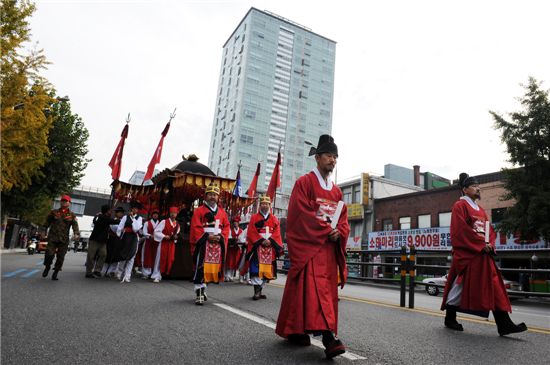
{"x": 434, "y": 290}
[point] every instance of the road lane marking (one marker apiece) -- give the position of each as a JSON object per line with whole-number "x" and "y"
{"x": 13, "y": 273}
{"x": 30, "y": 273}
{"x": 265, "y": 322}
{"x": 431, "y": 312}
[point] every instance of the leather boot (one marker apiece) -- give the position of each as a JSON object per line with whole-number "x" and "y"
{"x": 257, "y": 292}
{"x": 333, "y": 346}
{"x": 54, "y": 275}
{"x": 505, "y": 326}
{"x": 46, "y": 271}
{"x": 450, "y": 319}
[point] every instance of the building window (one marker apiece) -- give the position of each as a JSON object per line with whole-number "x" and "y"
{"x": 387, "y": 225}
{"x": 357, "y": 194}
{"x": 424, "y": 221}
{"x": 247, "y": 139}
{"x": 347, "y": 195}
{"x": 356, "y": 229}
{"x": 445, "y": 219}
{"x": 405, "y": 223}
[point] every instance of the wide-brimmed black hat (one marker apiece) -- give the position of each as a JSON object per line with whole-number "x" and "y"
{"x": 119, "y": 209}
{"x": 326, "y": 145}
{"x": 466, "y": 180}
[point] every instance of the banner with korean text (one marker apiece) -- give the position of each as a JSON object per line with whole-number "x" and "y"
{"x": 439, "y": 238}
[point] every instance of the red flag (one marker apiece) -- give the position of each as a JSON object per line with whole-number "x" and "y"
{"x": 116, "y": 161}
{"x": 275, "y": 178}
{"x": 252, "y": 189}
{"x": 156, "y": 156}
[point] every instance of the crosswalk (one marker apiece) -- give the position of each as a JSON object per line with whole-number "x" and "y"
{"x": 24, "y": 273}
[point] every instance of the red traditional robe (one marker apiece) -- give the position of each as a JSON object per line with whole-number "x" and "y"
{"x": 310, "y": 299}
{"x": 233, "y": 256}
{"x": 150, "y": 246}
{"x": 483, "y": 289}
{"x": 263, "y": 257}
{"x": 210, "y": 256}
{"x": 168, "y": 246}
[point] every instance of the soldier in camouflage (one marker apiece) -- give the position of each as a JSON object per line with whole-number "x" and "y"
{"x": 59, "y": 222}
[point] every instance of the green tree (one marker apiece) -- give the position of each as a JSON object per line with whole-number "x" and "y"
{"x": 63, "y": 169}
{"x": 527, "y": 138}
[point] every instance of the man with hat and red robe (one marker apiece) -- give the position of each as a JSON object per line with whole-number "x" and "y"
{"x": 264, "y": 246}
{"x": 233, "y": 256}
{"x": 166, "y": 234}
{"x": 150, "y": 246}
{"x": 208, "y": 239}
{"x": 317, "y": 232}
{"x": 474, "y": 283}
{"x": 59, "y": 222}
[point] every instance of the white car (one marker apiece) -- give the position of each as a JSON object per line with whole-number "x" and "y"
{"x": 434, "y": 290}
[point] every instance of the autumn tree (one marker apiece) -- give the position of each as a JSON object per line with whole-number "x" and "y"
{"x": 25, "y": 96}
{"x": 527, "y": 138}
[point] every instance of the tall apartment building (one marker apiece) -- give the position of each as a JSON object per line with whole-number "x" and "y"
{"x": 275, "y": 90}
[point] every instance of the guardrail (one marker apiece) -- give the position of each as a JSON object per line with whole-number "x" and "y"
{"x": 408, "y": 266}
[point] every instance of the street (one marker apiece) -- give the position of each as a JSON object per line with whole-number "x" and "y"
{"x": 100, "y": 321}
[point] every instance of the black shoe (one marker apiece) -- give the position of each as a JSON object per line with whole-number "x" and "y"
{"x": 299, "y": 339}
{"x": 199, "y": 300}
{"x": 333, "y": 346}
{"x": 90, "y": 276}
{"x": 54, "y": 275}
{"x": 514, "y": 328}
{"x": 46, "y": 271}
{"x": 454, "y": 325}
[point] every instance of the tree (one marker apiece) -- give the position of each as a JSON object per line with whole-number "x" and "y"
{"x": 25, "y": 94}
{"x": 63, "y": 169}
{"x": 527, "y": 138}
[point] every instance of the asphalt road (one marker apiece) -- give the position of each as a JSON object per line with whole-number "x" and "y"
{"x": 100, "y": 321}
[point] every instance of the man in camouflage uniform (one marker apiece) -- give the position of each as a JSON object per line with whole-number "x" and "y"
{"x": 59, "y": 222}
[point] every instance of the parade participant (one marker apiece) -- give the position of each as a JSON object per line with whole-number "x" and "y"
{"x": 234, "y": 245}
{"x": 128, "y": 231}
{"x": 474, "y": 283}
{"x": 166, "y": 234}
{"x": 113, "y": 246}
{"x": 59, "y": 222}
{"x": 150, "y": 246}
{"x": 97, "y": 246}
{"x": 317, "y": 233}
{"x": 264, "y": 246}
{"x": 208, "y": 239}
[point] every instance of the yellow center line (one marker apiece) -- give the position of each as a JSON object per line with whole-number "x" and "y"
{"x": 430, "y": 312}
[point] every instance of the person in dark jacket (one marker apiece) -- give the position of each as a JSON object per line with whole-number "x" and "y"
{"x": 97, "y": 246}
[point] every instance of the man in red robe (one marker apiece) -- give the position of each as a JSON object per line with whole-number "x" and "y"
{"x": 317, "y": 232}
{"x": 474, "y": 283}
{"x": 264, "y": 246}
{"x": 208, "y": 238}
{"x": 166, "y": 234}
{"x": 150, "y": 246}
{"x": 233, "y": 256}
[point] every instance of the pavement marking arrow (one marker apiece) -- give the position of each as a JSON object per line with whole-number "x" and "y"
{"x": 13, "y": 273}
{"x": 265, "y": 322}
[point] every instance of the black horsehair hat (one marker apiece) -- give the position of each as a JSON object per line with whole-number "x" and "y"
{"x": 119, "y": 209}
{"x": 326, "y": 145}
{"x": 466, "y": 180}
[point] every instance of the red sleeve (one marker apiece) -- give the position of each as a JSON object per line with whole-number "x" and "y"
{"x": 276, "y": 235}
{"x": 305, "y": 233}
{"x": 252, "y": 234}
{"x": 196, "y": 229}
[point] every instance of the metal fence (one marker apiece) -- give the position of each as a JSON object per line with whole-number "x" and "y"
{"x": 407, "y": 268}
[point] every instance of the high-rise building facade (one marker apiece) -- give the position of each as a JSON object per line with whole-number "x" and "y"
{"x": 275, "y": 91}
